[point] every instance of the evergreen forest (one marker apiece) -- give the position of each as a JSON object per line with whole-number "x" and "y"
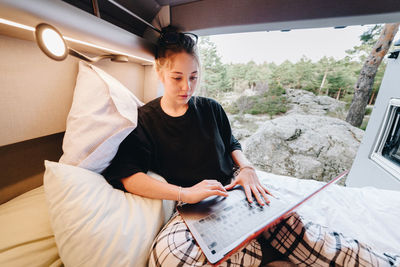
{"x": 268, "y": 81}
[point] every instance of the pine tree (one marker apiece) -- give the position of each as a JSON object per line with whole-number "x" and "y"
{"x": 214, "y": 73}
{"x": 364, "y": 86}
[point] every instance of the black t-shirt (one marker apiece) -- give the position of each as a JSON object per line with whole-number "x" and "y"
{"x": 184, "y": 150}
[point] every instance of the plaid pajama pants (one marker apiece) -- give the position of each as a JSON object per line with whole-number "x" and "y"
{"x": 304, "y": 244}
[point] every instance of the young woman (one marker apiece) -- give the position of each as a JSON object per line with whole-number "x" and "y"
{"x": 188, "y": 141}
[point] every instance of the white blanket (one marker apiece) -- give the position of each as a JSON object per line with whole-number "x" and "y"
{"x": 367, "y": 214}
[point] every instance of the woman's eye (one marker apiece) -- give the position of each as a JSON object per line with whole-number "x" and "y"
{"x": 193, "y": 78}
{"x": 177, "y": 78}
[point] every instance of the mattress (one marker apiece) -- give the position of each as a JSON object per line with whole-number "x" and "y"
{"x": 368, "y": 214}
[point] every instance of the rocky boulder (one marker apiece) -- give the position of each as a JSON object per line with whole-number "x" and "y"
{"x": 304, "y": 102}
{"x": 244, "y": 125}
{"x": 304, "y": 146}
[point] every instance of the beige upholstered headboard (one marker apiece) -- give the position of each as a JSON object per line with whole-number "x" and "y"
{"x": 36, "y": 92}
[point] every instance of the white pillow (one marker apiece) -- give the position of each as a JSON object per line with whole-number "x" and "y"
{"x": 97, "y": 225}
{"x": 102, "y": 114}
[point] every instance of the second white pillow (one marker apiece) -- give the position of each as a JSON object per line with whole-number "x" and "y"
{"x": 102, "y": 114}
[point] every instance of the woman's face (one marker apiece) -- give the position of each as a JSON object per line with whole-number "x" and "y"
{"x": 180, "y": 79}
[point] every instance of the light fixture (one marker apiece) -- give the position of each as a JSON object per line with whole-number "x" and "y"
{"x": 52, "y": 43}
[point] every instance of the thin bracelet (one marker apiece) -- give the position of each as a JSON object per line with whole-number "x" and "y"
{"x": 179, "y": 197}
{"x": 246, "y": 167}
{"x": 180, "y": 202}
{"x": 179, "y": 194}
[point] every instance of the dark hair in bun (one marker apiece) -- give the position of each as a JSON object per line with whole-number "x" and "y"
{"x": 173, "y": 41}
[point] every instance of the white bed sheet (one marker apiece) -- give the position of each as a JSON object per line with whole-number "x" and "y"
{"x": 367, "y": 214}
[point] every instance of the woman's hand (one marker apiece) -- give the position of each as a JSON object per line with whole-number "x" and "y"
{"x": 248, "y": 179}
{"x": 202, "y": 190}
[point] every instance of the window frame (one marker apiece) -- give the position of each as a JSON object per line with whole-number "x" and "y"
{"x": 376, "y": 154}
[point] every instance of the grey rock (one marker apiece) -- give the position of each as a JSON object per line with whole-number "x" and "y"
{"x": 304, "y": 146}
{"x": 241, "y": 134}
{"x": 304, "y": 102}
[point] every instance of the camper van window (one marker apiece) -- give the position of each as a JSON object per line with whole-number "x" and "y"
{"x": 391, "y": 147}
{"x": 387, "y": 147}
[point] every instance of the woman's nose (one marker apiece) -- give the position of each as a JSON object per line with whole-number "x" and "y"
{"x": 186, "y": 84}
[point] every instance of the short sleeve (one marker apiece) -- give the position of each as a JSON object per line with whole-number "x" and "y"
{"x": 133, "y": 156}
{"x": 225, "y": 129}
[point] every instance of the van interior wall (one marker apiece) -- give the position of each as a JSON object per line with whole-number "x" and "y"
{"x": 37, "y": 91}
{"x": 36, "y": 97}
{"x": 22, "y": 164}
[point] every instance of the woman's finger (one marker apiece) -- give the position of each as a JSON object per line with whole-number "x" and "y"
{"x": 263, "y": 193}
{"x": 231, "y": 185}
{"x": 247, "y": 191}
{"x": 211, "y": 181}
{"x": 217, "y": 186}
{"x": 217, "y": 193}
{"x": 257, "y": 195}
{"x": 266, "y": 190}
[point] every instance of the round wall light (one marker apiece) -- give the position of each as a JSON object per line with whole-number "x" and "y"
{"x": 51, "y": 42}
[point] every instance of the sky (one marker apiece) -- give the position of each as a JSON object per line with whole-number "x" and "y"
{"x": 277, "y": 46}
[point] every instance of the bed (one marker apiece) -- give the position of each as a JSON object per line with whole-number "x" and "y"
{"x": 56, "y": 209}
{"x": 77, "y": 219}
